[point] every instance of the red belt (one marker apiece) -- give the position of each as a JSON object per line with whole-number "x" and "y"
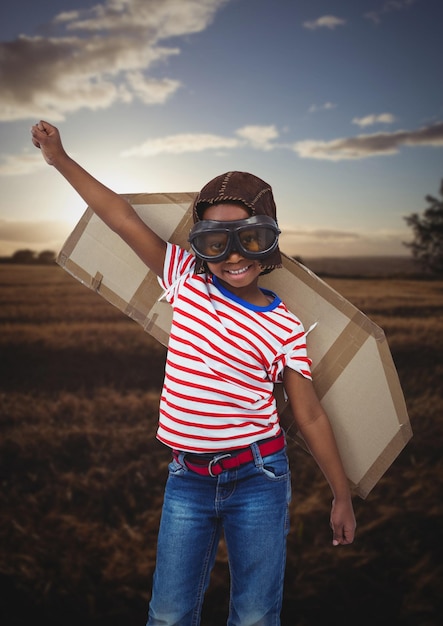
{"x": 227, "y": 460}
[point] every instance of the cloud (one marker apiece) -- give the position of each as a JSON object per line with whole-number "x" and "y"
{"x": 153, "y": 19}
{"x": 327, "y": 21}
{"x": 181, "y": 143}
{"x": 261, "y": 138}
{"x": 327, "y": 106}
{"x": 388, "y": 7}
{"x": 258, "y": 137}
{"x": 98, "y": 57}
{"x": 149, "y": 90}
{"x": 320, "y": 234}
{"x": 370, "y": 120}
{"x": 18, "y": 165}
{"x": 312, "y": 242}
{"x": 363, "y": 146}
{"x": 33, "y": 233}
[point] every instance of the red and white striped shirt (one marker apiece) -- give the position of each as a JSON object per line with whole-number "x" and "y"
{"x": 224, "y": 356}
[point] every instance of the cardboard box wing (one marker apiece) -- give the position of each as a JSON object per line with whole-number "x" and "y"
{"x": 353, "y": 371}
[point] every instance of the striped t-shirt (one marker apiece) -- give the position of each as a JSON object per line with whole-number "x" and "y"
{"x": 224, "y": 356}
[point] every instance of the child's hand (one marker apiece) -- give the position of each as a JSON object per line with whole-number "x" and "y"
{"x": 342, "y": 522}
{"x": 47, "y": 138}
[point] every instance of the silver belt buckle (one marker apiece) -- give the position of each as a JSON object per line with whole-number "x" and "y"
{"x": 215, "y": 460}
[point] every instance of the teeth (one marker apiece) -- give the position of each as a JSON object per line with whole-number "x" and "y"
{"x": 242, "y": 271}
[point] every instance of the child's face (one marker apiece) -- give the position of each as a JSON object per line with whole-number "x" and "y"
{"x": 236, "y": 271}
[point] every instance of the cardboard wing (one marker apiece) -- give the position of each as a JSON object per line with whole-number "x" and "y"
{"x": 353, "y": 371}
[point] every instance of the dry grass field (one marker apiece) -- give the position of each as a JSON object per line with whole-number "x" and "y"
{"x": 82, "y": 474}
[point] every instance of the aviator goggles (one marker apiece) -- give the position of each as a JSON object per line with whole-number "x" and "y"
{"x": 253, "y": 238}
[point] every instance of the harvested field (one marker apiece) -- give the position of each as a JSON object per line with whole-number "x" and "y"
{"x": 82, "y": 474}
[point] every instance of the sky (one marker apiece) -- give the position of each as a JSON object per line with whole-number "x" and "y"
{"x": 338, "y": 105}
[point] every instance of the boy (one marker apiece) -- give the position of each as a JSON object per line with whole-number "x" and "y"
{"x": 230, "y": 342}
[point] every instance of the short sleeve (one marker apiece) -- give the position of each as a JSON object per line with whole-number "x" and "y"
{"x": 297, "y": 355}
{"x": 179, "y": 263}
{"x": 293, "y": 354}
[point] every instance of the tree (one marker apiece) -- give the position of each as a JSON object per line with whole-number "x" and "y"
{"x": 23, "y": 256}
{"x": 46, "y": 257}
{"x": 427, "y": 245}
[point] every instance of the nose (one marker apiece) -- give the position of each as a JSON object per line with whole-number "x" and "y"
{"x": 234, "y": 255}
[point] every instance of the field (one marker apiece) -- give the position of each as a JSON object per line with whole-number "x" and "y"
{"x": 82, "y": 474}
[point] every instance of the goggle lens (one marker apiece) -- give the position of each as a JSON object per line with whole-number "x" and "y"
{"x": 258, "y": 239}
{"x": 211, "y": 244}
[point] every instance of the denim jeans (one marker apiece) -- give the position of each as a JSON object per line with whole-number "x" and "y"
{"x": 250, "y": 504}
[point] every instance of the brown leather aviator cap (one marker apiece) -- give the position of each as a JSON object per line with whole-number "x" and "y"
{"x": 249, "y": 190}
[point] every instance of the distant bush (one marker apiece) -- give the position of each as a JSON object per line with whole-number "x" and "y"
{"x": 30, "y": 257}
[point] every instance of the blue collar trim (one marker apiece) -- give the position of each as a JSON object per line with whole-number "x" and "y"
{"x": 247, "y": 305}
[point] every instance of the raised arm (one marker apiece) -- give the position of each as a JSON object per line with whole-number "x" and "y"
{"x": 114, "y": 210}
{"x": 316, "y": 430}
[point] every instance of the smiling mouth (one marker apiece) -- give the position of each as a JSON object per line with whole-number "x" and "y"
{"x": 243, "y": 270}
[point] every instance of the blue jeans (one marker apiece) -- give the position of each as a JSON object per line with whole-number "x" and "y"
{"x": 250, "y": 504}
